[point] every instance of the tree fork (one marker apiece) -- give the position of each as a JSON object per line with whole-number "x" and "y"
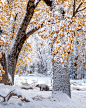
{"x": 19, "y": 41}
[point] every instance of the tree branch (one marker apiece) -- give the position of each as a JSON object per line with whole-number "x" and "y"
{"x": 37, "y": 3}
{"x": 81, "y": 9}
{"x": 74, "y": 5}
{"x": 48, "y": 2}
{"x": 12, "y": 93}
{"x": 9, "y": 95}
{"x": 20, "y": 37}
{"x": 21, "y": 42}
{"x": 21, "y": 32}
{"x": 78, "y": 7}
{"x": 33, "y": 30}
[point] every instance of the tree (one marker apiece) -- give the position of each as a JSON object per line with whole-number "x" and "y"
{"x": 21, "y": 36}
{"x": 65, "y": 28}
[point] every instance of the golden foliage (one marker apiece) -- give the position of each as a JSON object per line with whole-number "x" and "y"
{"x": 67, "y": 29}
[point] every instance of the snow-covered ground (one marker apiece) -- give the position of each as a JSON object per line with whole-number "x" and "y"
{"x": 43, "y": 99}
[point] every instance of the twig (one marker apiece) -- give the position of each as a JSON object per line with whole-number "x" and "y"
{"x": 81, "y": 9}
{"x": 78, "y": 7}
{"x": 33, "y": 30}
{"x": 74, "y": 5}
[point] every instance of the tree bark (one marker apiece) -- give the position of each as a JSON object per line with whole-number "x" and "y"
{"x": 4, "y": 64}
{"x": 12, "y": 57}
{"x": 11, "y": 64}
{"x": 60, "y": 76}
{"x": 61, "y": 81}
{"x": 19, "y": 41}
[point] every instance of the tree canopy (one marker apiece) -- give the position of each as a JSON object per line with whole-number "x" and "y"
{"x": 62, "y": 22}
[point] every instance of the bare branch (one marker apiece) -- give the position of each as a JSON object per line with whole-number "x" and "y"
{"x": 82, "y": 9}
{"x": 74, "y": 5}
{"x": 78, "y": 7}
{"x": 33, "y": 30}
{"x": 23, "y": 26}
{"x": 21, "y": 32}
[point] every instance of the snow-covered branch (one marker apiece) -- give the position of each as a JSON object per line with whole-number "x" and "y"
{"x": 33, "y": 30}
{"x": 14, "y": 93}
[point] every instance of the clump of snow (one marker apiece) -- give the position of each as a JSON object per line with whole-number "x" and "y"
{"x": 58, "y": 95}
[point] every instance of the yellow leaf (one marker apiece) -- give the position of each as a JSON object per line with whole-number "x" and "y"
{"x": 29, "y": 45}
{"x": 0, "y": 78}
{"x": 13, "y": 15}
{"x": 65, "y": 62}
{"x": 63, "y": 67}
{"x": 78, "y": 1}
{"x": 67, "y": 55}
{"x": 16, "y": 69}
{"x": 19, "y": 75}
{"x": 0, "y": 56}
{"x": 84, "y": 38}
{"x": 74, "y": 63}
{"x": 1, "y": 43}
{"x": 77, "y": 47}
{"x": 36, "y": 44}
{"x": 2, "y": 71}
{"x": 26, "y": 48}
{"x": 55, "y": 60}
{"x": 72, "y": 49}
{"x": 20, "y": 71}
{"x": 31, "y": 49}
{"x": 1, "y": 67}
{"x": 37, "y": 9}
{"x": 84, "y": 64}
{"x": 3, "y": 18}
{"x": 62, "y": 62}
{"x": 71, "y": 53}
{"x": 27, "y": 65}
{"x": 41, "y": 43}
{"x": 52, "y": 60}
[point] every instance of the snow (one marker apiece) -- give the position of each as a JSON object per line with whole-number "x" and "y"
{"x": 43, "y": 99}
{"x": 30, "y": 79}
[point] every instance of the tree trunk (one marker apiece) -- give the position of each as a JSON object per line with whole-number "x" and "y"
{"x": 19, "y": 41}
{"x": 11, "y": 64}
{"x": 4, "y": 64}
{"x": 61, "y": 81}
